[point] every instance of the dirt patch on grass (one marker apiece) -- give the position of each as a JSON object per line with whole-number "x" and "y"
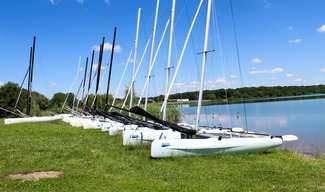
{"x": 35, "y": 176}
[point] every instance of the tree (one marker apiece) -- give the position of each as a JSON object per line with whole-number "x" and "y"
{"x": 210, "y": 97}
{"x": 41, "y": 100}
{"x": 57, "y": 100}
{"x": 8, "y": 96}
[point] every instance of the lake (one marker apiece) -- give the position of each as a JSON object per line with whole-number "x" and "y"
{"x": 303, "y": 118}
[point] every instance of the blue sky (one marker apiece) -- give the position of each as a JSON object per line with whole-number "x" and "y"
{"x": 281, "y": 43}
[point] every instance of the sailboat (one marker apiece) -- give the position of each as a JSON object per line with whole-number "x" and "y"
{"x": 217, "y": 143}
{"x": 144, "y": 135}
{"x": 26, "y": 118}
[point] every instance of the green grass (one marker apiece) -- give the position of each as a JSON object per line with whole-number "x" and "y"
{"x": 94, "y": 161}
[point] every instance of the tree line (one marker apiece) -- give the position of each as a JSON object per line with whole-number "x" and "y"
{"x": 248, "y": 93}
{"x": 42, "y": 106}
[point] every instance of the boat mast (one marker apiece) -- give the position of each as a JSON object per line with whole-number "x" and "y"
{"x": 169, "y": 56}
{"x": 85, "y": 77}
{"x": 91, "y": 70}
{"x": 203, "y": 63}
{"x": 30, "y": 83}
{"x": 99, "y": 67}
{"x": 75, "y": 92}
{"x": 135, "y": 57}
{"x": 151, "y": 55}
{"x": 29, "y": 68}
{"x": 110, "y": 68}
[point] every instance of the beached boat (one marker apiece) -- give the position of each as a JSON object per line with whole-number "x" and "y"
{"x": 210, "y": 146}
{"x": 209, "y": 142}
{"x": 33, "y": 119}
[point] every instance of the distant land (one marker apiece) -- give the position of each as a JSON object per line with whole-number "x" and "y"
{"x": 247, "y": 93}
{"x": 42, "y": 105}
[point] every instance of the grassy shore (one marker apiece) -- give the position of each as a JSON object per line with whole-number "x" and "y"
{"x": 94, "y": 161}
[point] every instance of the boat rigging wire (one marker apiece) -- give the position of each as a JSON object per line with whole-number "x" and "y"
{"x": 68, "y": 94}
{"x": 215, "y": 18}
{"x": 179, "y": 61}
{"x": 132, "y": 82}
{"x": 38, "y": 52}
{"x": 192, "y": 41}
{"x": 74, "y": 99}
{"x": 238, "y": 58}
{"x": 119, "y": 84}
{"x": 153, "y": 62}
{"x": 100, "y": 83}
{"x": 85, "y": 102}
{"x": 21, "y": 88}
{"x": 6, "y": 110}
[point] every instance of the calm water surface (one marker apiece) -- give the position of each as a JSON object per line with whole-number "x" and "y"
{"x": 303, "y": 118}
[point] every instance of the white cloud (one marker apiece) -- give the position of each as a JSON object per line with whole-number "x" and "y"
{"x": 178, "y": 85}
{"x": 222, "y": 82}
{"x": 96, "y": 65}
{"x": 253, "y": 68}
{"x": 1, "y": 83}
{"x": 272, "y": 78}
{"x": 52, "y": 84}
{"x": 297, "y": 80}
{"x": 108, "y": 47}
{"x": 276, "y": 70}
{"x": 295, "y": 41}
{"x": 80, "y": 1}
{"x": 107, "y": 1}
{"x": 321, "y": 29}
{"x": 52, "y": 2}
{"x": 289, "y": 75}
{"x": 193, "y": 84}
{"x": 233, "y": 76}
{"x": 322, "y": 70}
{"x": 254, "y": 85}
{"x": 290, "y": 28}
{"x": 256, "y": 60}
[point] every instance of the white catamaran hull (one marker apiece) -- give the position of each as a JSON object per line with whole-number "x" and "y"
{"x": 32, "y": 120}
{"x": 118, "y": 128}
{"x": 145, "y": 135}
{"x": 192, "y": 147}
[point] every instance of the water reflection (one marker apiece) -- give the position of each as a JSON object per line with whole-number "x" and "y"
{"x": 304, "y": 118}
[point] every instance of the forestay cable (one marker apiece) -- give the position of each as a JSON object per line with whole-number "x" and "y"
{"x": 153, "y": 62}
{"x": 130, "y": 87}
{"x": 119, "y": 84}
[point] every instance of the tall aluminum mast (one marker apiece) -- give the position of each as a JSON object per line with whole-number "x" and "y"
{"x": 169, "y": 55}
{"x": 151, "y": 54}
{"x": 135, "y": 58}
{"x": 203, "y": 64}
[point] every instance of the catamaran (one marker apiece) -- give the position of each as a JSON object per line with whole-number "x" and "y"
{"x": 26, "y": 118}
{"x": 229, "y": 141}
